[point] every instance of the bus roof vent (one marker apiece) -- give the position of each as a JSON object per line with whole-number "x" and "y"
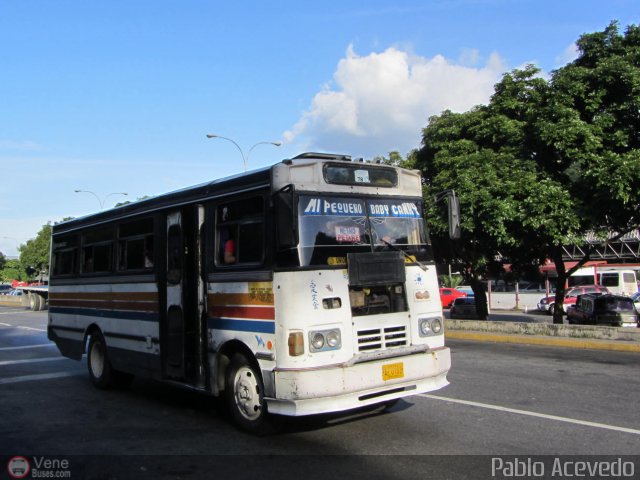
{"x": 322, "y": 156}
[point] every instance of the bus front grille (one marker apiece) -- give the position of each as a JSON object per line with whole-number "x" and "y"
{"x": 381, "y": 338}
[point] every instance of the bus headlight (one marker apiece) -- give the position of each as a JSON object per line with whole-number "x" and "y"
{"x": 333, "y": 339}
{"x": 429, "y": 326}
{"x": 436, "y": 325}
{"x": 317, "y": 341}
{"x": 323, "y": 340}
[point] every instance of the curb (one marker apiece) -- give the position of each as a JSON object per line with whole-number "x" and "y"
{"x": 580, "y": 343}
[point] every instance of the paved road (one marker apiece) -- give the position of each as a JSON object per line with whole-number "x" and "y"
{"x": 504, "y": 400}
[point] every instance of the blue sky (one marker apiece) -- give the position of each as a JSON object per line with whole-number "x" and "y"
{"x": 117, "y": 96}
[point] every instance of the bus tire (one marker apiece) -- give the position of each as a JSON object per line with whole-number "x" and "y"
{"x": 100, "y": 371}
{"x": 244, "y": 395}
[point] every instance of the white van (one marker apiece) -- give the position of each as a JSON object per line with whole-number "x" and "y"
{"x": 622, "y": 282}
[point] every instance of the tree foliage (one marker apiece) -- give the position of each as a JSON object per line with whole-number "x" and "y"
{"x": 34, "y": 255}
{"x": 12, "y": 270}
{"x": 544, "y": 163}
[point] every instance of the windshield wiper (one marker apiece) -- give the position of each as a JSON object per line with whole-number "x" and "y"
{"x": 406, "y": 255}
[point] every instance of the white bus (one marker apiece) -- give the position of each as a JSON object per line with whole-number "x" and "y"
{"x": 302, "y": 288}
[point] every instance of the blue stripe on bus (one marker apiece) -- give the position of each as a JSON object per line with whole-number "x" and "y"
{"x": 94, "y": 312}
{"x": 241, "y": 325}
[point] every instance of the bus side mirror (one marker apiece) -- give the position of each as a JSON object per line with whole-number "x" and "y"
{"x": 454, "y": 215}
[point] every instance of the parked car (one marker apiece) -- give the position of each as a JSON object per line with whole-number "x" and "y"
{"x": 465, "y": 289}
{"x": 448, "y": 295}
{"x": 547, "y": 304}
{"x": 636, "y": 300}
{"x": 463, "y": 308}
{"x": 5, "y": 288}
{"x": 594, "y": 309}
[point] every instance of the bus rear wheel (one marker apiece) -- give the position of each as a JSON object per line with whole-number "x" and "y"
{"x": 100, "y": 371}
{"x": 244, "y": 395}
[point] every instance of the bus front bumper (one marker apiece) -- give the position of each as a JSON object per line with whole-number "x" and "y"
{"x": 338, "y": 388}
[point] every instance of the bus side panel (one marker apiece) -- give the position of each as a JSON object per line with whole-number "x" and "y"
{"x": 125, "y": 314}
{"x": 244, "y": 312}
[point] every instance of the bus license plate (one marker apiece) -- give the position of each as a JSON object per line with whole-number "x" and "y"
{"x": 393, "y": 370}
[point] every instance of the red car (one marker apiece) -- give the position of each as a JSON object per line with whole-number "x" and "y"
{"x": 448, "y": 295}
{"x": 547, "y": 304}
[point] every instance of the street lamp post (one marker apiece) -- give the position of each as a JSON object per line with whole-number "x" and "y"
{"x": 100, "y": 202}
{"x": 245, "y": 158}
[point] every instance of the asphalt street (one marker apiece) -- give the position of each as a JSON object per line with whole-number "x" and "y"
{"x": 503, "y": 400}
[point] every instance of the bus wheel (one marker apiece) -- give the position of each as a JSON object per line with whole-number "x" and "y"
{"x": 244, "y": 395}
{"x": 100, "y": 370}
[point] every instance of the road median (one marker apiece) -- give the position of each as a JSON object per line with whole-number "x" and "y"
{"x": 567, "y": 336}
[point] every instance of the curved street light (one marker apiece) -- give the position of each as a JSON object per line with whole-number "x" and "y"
{"x": 245, "y": 158}
{"x": 101, "y": 202}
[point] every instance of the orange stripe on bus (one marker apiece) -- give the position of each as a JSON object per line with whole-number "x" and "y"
{"x": 240, "y": 299}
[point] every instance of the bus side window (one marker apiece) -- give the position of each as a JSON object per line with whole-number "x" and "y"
{"x": 65, "y": 255}
{"x": 97, "y": 250}
{"x": 239, "y": 232}
{"x": 135, "y": 244}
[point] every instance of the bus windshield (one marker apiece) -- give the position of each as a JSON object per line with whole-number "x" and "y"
{"x": 331, "y": 227}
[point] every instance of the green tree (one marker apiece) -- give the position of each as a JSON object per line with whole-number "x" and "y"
{"x": 504, "y": 205}
{"x": 591, "y": 126}
{"x": 3, "y": 259}
{"x": 12, "y": 270}
{"x": 34, "y": 255}
{"x": 396, "y": 159}
{"x": 545, "y": 162}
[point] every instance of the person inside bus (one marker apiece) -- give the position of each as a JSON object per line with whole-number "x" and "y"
{"x": 148, "y": 261}
{"x": 227, "y": 247}
{"x": 227, "y": 244}
{"x": 229, "y": 254}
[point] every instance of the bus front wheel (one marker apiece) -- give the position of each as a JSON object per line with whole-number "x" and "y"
{"x": 100, "y": 370}
{"x": 244, "y": 395}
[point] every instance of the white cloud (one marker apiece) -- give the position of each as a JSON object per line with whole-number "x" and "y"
{"x": 381, "y": 102}
{"x": 569, "y": 55}
{"x": 470, "y": 57}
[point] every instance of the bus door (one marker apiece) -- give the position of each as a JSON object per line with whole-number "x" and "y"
{"x": 182, "y": 337}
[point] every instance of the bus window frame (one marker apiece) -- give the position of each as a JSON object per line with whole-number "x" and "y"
{"x": 152, "y": 233}
{"x": 110, "y": 228}
{"x": 74, "y": 248}
{"x": 212, "y": 233}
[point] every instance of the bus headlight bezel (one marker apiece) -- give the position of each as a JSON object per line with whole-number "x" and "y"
{"x": 429, "y": 327}
{"x": 325, "y": 340}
